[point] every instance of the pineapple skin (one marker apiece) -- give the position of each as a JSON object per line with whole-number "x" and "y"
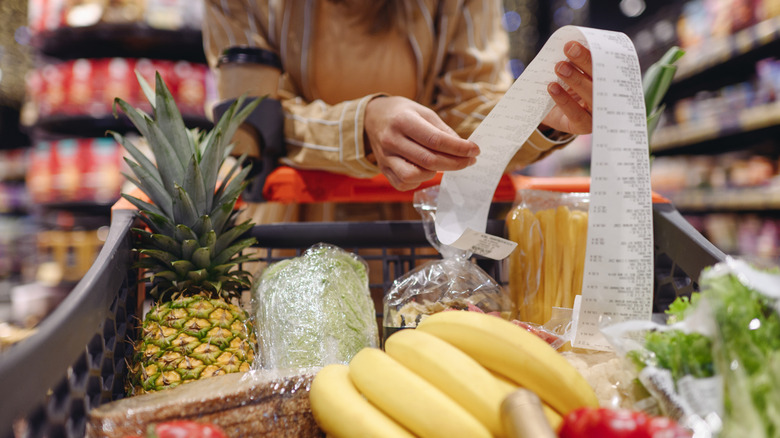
{"x": 191, "y": 338}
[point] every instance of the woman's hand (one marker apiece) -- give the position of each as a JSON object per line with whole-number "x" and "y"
{"x": 573, "y": 105}
{"x": 411, "y": 143}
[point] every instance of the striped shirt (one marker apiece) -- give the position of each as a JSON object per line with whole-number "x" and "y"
{"x": 459, "y": 48}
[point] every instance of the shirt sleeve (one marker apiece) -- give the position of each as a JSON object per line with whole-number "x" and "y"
{"x": 475, "y": 76}
{"x": 317, "y": 135}
{"x": 327, "y": 137}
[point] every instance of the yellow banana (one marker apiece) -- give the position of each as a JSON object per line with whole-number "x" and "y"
{"x": 453, "y": 372}
{"x": 511, "y": 351}
{"x": 342, "y": 412}
{"x": 409, "y": 399}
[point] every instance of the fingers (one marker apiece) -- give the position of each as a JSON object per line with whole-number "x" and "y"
{"x": 438, "y": 136}
{"x": 434, "y": 119}
{"x": 407, "y": 163}
{"x": 574, "y": 100}
{"x": 579, "y": 56}
{"x": 403, "y": 175}
{"x": 411, "y": 143}
{"x": 430, "y": 160}
{"x": 577, "y": 119}
{"x": 578, "y": 82}
{"x": 418, "y": 140}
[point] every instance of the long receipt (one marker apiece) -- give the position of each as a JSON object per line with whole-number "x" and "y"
{"x": 618, "y": 276}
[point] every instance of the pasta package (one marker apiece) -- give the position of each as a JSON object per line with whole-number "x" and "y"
{"x": 546, "y": 268}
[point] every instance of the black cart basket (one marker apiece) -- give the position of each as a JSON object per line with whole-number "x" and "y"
{"x": 76, "y": 359}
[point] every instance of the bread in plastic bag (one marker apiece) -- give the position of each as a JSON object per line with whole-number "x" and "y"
{"x": 715, "y": 366}
{"x": 267, "y": 403}
{"x": 546, "y": 269}
{"x": 314, "y": 309}
{"x": 452, "y": 282}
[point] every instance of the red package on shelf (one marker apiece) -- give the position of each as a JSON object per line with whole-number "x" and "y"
{"x": 102, "y": 179}
{"x": 66, "y": 175}
{"x": 88, "y": 87}
{"x": 39, "y": 174}
{"x": 84, "y": 170}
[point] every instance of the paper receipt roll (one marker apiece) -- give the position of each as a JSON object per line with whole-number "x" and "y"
{"x": 618, "y": 279}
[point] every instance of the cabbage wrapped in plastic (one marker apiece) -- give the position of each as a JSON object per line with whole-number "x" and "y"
{"x": 314, "y": 309}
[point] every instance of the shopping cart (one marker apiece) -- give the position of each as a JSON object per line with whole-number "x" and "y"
{"x": 77, "y": 359}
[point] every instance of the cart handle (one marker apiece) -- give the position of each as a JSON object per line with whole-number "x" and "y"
{"x": 572, "y": 184}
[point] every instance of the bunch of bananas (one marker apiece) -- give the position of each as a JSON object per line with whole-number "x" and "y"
{"x": 446, "y": 378}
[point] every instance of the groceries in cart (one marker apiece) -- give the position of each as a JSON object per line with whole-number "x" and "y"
{"x": 314, "y": 309}
{"x": 546, "y": 268}
{"x": 713, "y": 366}
{"x": 453, "y": 282}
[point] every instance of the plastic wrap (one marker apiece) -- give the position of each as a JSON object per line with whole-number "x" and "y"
{"x": 256, "y": 403}
{"x": 546, "y": 268}
{"x": 314, "y": 309}
{"x": 715, "y": 365}
{"x": 613, "y": 380}
{"x": 452, "y": 282}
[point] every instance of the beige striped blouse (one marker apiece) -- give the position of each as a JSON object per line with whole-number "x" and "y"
{"x": 452, "y": 58}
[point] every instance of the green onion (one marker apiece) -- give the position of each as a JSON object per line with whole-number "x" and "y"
{"x": 655, "y": 83}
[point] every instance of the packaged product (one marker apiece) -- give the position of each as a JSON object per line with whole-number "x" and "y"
{"x": 314, "y": 309}
{"x": 453, "y": 282}
{"x": 268, "y": 403}
{"x": 87, "y": 87}
{"x": 713, "y": 366}
{"x": 546, "y": 269}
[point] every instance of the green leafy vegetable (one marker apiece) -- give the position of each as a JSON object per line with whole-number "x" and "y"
{"x": 679, "y": 352}
{"x": 315, "y": 309}
{"x": 681, "y": 307}
{"x": 745, "y": 351}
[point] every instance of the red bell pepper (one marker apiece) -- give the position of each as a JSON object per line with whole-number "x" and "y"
{"x": 184, "y": 429}
{"x": 618, "y": 423}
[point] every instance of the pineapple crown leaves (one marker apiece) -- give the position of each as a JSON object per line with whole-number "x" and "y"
{"x": 183, "y": 184}
{"x": 192, "y": 241}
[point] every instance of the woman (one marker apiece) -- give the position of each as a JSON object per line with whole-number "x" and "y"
{"x": 390, "y": 86}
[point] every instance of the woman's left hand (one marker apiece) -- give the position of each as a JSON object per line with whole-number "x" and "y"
{"x": 573, "y": 104}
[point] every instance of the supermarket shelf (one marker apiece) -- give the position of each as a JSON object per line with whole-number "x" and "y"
{"x": 88, "y": 126}
{"x": 717, "y": 52}
{"x": 755, "y": 119}
{"x": 733, "y": 200}
{"x": 122, "y": 40}
{"x": 10, "y": 130}
{"x": 85, "y": 213}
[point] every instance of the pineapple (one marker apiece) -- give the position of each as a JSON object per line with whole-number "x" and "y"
{"x": 192, "y": 249}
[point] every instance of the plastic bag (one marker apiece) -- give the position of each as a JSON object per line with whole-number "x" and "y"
{"x": 315, "y": 309}
{"x": 715, "y": 366}
{"x": 251, "y": 404}
{"x": 453, "y": 282}
{"x": 546, "y": 269}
